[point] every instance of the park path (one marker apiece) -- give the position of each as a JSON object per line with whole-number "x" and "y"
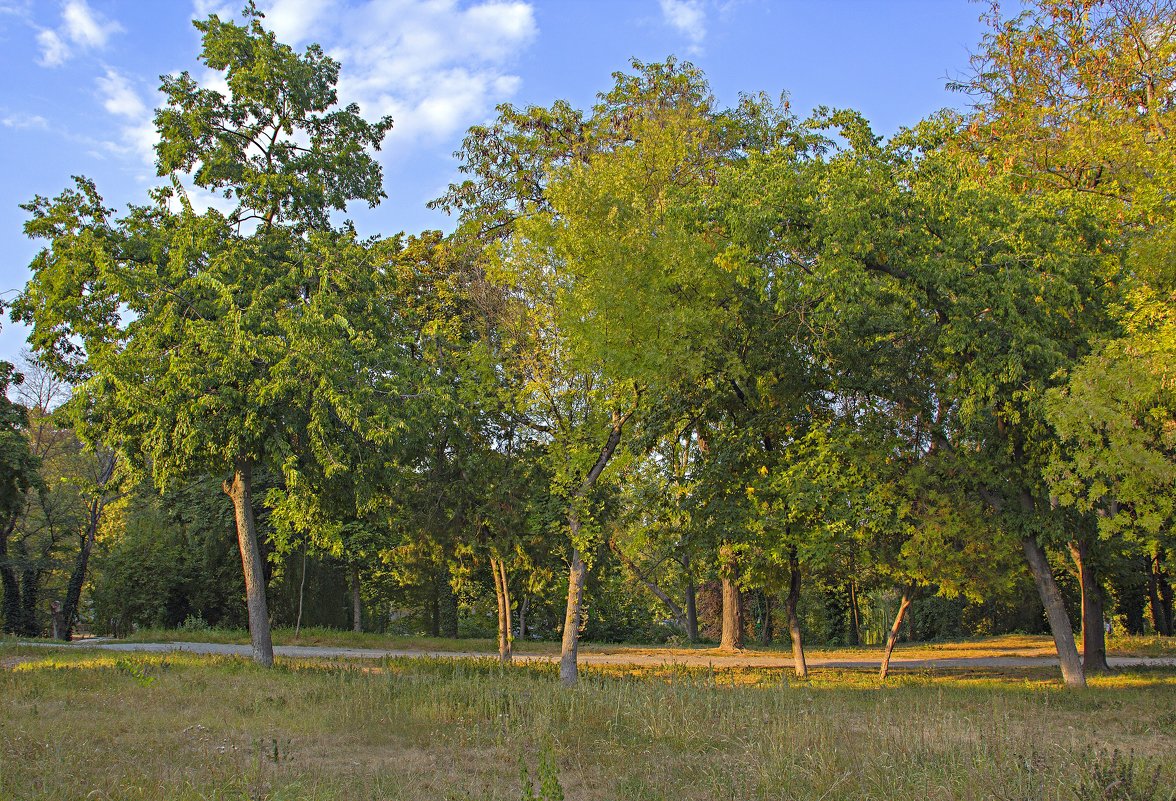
{"x": 642, "y": 658}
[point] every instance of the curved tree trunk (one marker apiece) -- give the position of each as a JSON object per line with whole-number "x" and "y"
{"x": 732, "y": 636}
{"x": 569, "y": 672}
{"x": 765, "y": 632}
{"x": 506, "y": 645}
{"x": 907, "y": 596}
{"x": 11, "y": 584}
{"x": 791, "y": 603}
{"x": 1055, "y": 611}
{"x": 77, "y": 579}
{"x": 240, "y": 489}
{"x": 1094, "y": 642}
{"x": 691, "y": 611}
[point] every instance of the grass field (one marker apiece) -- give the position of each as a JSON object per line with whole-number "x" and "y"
{"x": 79, "y": 724}
{"x": 1006, "y": 645}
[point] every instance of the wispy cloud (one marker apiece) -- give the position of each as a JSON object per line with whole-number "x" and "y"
{"x": 137, "y": 134}
{"x": 688, "y": 17}
{"x": 21, "y": 121}
{"x": 436, "y": 66}
{"x": 81, "y": 28}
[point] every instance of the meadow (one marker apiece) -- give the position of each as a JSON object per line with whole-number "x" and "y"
{"x": 81, "y": 724}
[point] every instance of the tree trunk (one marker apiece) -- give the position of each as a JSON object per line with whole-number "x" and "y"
{"x": 523, "y": 616}
{"x": 301, "y": 595}
{"x": 1159, "y": 625}
{"x": 502, "y": 590}
{"x": 240, "y": 490}
{"x": 30, "y": 593}
{"x": 356, "y": 601}
{"x": 793, "y": 600}
{"x": 11, "y": 584}
{"x": 691, "y": 611}
{"x": 569, "y": 672}
{"x": 1094, "y": 643}
{"x": 855, "y": 622}
{"x": 732, "y": 637}
{"x": 765, "y": 632}
{"x": 907, "y": 595}
{"x": 1055, "y": 611}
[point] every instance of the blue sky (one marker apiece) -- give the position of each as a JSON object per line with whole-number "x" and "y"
{"x": 81, "y": 77}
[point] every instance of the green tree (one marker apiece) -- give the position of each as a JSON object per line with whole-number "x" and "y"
{"x": 209, "y": 343}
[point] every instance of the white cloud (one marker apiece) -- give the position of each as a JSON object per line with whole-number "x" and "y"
{"x": 294, "y": 21}
{"x": 54, "y": 51}
{"x": 434, "y": 66}
{"x": 21, "y": 121}
{"x": 81, "y": 27}
{"x": 118, "y": 97}
{"x": 688, "y": 17}
{"x": 137, "y": 136}
{"x": 84, "y": 27}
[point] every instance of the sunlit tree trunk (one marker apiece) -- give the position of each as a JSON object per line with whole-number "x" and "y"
{"x": 1094, "y": 643}
{"x": 732, "y": 636}
{"x": 791, "y": 603}
{"x": 1055, "y": 611}
{"x": 903, "y": 606}
{"x": 240, "y": 490}
{"x": 569, "y": 672}
{"x": 356, "y": 601}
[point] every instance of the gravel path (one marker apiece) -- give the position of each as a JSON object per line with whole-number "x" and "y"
{"x": 639, "y": 659}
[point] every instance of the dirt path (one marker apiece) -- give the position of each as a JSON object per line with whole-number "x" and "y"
{"x": 643, "y": 658}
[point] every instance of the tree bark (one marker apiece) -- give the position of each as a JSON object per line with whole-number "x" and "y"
{"x": 569, "y": 672}
{"x": 30, "y": 593}
{"x": 1165, "y": 590}
{"x": 1159, "y": 623}
{"x": 240, "y": 490}
{"x": 1094, "y": 643}
{"x": 791, "y": 603}
{"x": 1055, "y": 611}
{"x": 523, "y": 615}
{"x": 765, "y": 632}
{"x": 676, "y": 611}
{"x": 691, "y": 611}
{"x": 356, "y": 601}
{"x": 855, "y": 623}
{"x": 732, "y": 637}
{"x": 301, "y": 595}
{"x": 907, "y": 595}
{"x": 505, "y": 636}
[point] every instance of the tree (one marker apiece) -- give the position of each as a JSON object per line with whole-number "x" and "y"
{"x": 211, "y": 343}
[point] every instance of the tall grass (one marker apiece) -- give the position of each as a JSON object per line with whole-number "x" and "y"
{"x": 108, "y": 726}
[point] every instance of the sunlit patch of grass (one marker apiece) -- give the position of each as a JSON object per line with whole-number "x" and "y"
{"x": 179, "y": 725}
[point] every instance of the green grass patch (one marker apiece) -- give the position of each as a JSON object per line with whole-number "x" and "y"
{"x": 119, "y": 726}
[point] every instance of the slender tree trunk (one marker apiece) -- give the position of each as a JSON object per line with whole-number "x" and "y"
{"x": 435, "y": 610}
{"x": 855, "y": 623}
{"x": 301, "y": 595}
{"x": 240, "y": 489}
{"x": 569, "y": 672}
{"x": 1055, "y": 611}
{"x": 1094, "y": 642}
{"x": 676, "y": 611}
{"x": 505, "y": 637}
{"x": 449, "y": 610}
{"x": 791, "y": 603}
{"x": 691, "y": 610}
{"x": 765, "y": 632}
{"x": 499, "y": 597}
{"x": 523, "y": 616}
{"x": 732, "y": 637}
{"x": 356, "y": 601}
{"x": 1159, "y": 625}
{"x": 907, "y": 595}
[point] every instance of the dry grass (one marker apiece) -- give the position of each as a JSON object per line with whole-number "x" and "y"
{"x": 104, "y": 725}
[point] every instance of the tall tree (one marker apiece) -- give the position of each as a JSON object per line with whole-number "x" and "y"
{"x": 214, "y": 343}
